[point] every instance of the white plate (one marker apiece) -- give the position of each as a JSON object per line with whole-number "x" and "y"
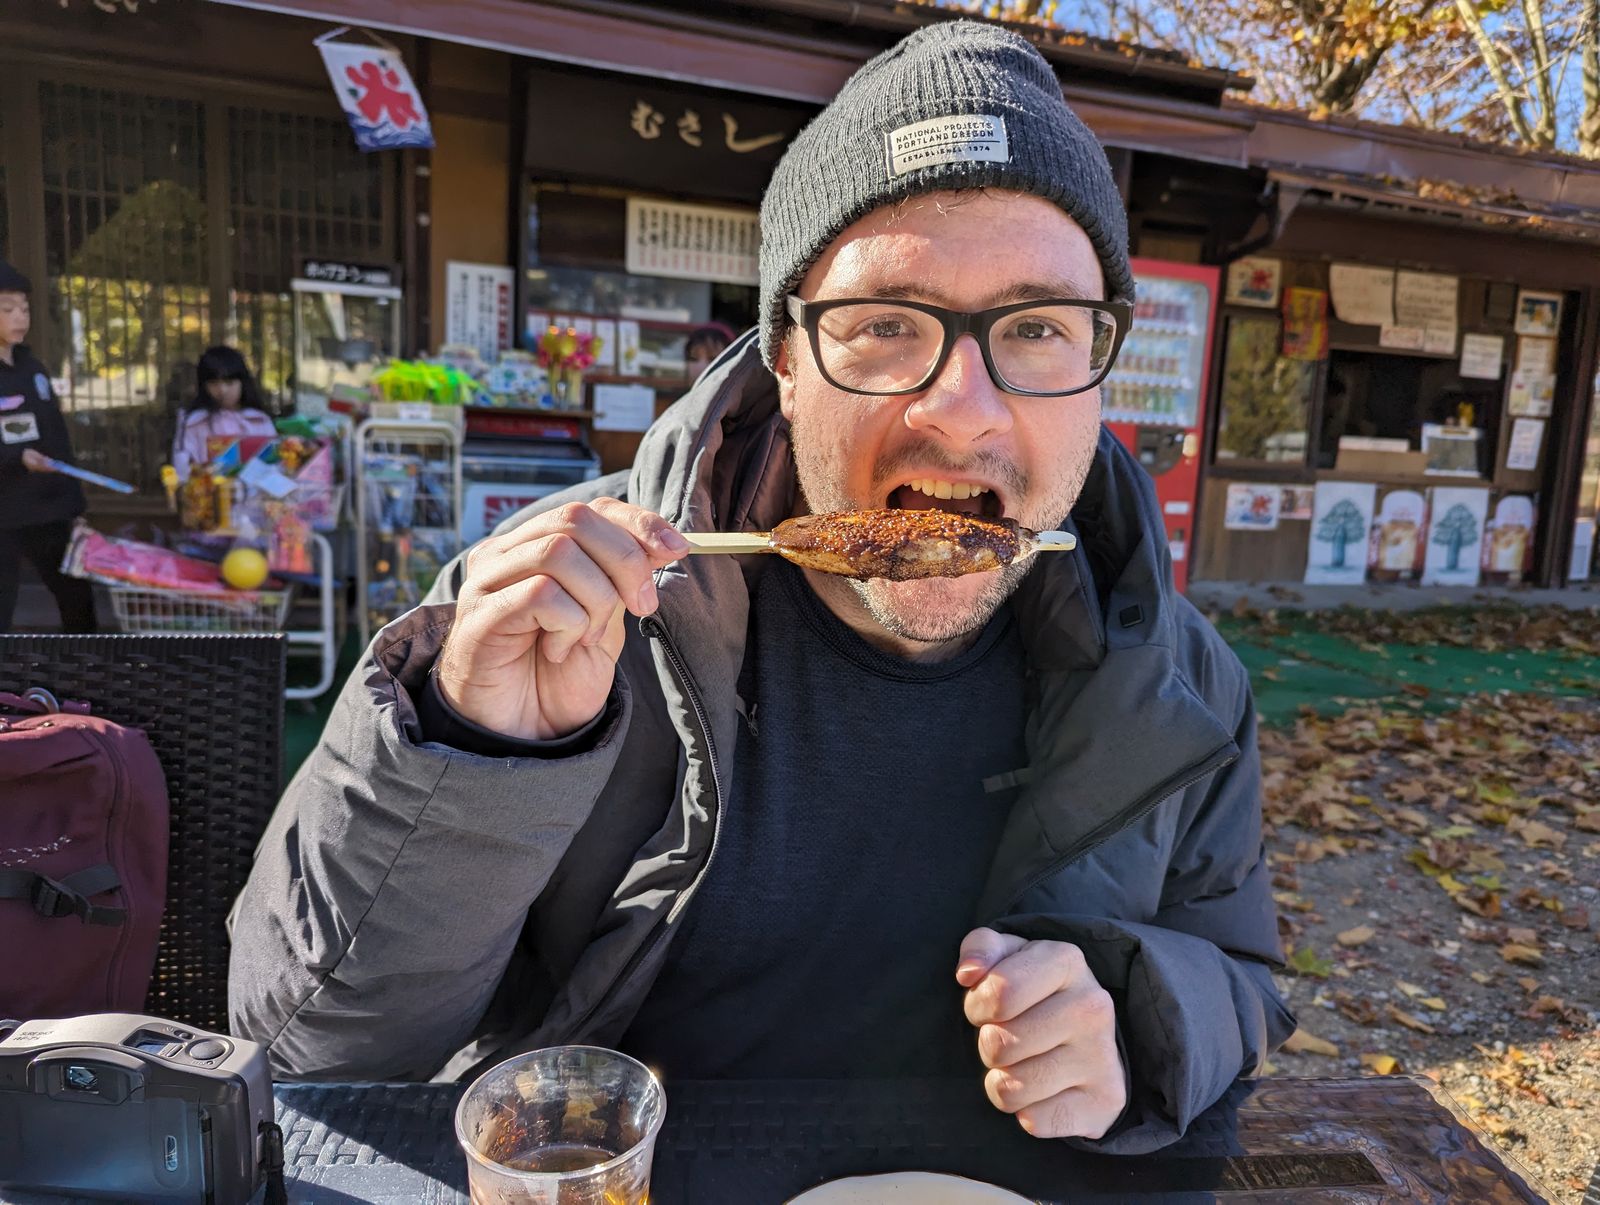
{"x": 908, "y": 1188}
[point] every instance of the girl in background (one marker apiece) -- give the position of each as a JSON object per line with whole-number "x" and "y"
{"x": 227, "y": 404}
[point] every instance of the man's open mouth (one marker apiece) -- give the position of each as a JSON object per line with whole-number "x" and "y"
{"x": 938, "y": 493}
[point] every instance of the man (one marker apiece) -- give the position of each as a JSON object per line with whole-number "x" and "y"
{"x": 37, "y": 504}
{"x": 1006, "y": 824}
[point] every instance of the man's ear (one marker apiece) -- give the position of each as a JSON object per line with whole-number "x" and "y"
{"x": 783, "y": 369}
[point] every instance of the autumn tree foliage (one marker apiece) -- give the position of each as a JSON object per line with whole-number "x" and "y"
{"x": 1522, "y": 72}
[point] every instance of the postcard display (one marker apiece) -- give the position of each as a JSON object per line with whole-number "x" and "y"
{"x": 1442, "y": 536}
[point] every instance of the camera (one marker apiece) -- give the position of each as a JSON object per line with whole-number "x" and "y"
{"x": 132, "y": 1108}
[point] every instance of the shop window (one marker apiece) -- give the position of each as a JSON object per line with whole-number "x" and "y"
{"x": 1266, "y": 398}
{"x": 575, "y": 271}
{"x": 135, "y": 270}
{"x": 1380, "y": 395}
{"x": 298, "y": 188}
{"x": 126, "y": 247}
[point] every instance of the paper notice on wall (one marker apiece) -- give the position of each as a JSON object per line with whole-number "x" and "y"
{"x": 1532, "y": 394}
{"x": 477, "y": 306}
{"x": 1482, "y": 357}
{"x": 1252, "y": 507}
{"x": 1362, "y": 296}
{"x": 1402, "y": 338}
{"x": 628, "y": 348}
{"x": 1439, "y": 341}
{"x": 605, "y": 332}
{"x": 624, "y": 407}
{"x": 1536, "y": 355}
{"x": 1425, "y": 299}
{"x": 1580, "y": 566}
{"x": 1527, "y": 436}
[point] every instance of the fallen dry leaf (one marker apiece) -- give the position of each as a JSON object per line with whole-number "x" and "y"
{"x": 1358, "y": 936}
{"x": 1536, "y": 834}
{"x": 1483, "y": 977}
{"x": 1434, "y": 1002}
{"x": 1301, "y": 1042}
{"x": 1409, "y": 1021}
{"x": 1528, "y": 983}
{"x": 1382, "y": 1064}
{"x": 1517, "y": 952}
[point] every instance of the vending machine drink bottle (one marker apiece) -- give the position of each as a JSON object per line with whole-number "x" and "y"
{"x": 1154, "y": 399}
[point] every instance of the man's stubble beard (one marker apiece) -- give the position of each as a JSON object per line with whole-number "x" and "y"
{"x": 926, "y": 623}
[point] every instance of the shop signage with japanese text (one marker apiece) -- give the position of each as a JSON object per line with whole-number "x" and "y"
{"x": 652, "y": 135}
{"x": 693, "y": 242}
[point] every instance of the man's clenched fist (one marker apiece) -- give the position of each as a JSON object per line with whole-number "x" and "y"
{"x": 1047, "y": 1031}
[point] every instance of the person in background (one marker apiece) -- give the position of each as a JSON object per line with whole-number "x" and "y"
{"x": 705, "y": 344}
{"x": 37, "y": 504}
{"x": 227, "y": 403}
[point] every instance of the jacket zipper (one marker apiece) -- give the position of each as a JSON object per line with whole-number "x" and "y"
{"x": 1181, "y": 781}
{"x": 655, "y": 630}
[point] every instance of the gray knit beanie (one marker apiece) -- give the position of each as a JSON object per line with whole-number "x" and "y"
{"x": 958, "y": 104}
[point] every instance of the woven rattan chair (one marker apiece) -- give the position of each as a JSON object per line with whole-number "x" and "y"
{"x": 212, "y": 706}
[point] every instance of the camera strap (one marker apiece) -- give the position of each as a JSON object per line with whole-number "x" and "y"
{"x": 272, "y": 1164}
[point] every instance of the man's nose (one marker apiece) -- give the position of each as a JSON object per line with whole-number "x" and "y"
{"x": 962, "y": 403}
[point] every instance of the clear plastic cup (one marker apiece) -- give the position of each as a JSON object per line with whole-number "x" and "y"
{"x": 571, "y": 1125}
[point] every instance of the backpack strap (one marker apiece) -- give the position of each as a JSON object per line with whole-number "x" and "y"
{"x": 36, "y": 700}
{"x": 66, "y": 896}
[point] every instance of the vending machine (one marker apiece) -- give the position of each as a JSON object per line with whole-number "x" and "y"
{"x": 1154, "y": 399}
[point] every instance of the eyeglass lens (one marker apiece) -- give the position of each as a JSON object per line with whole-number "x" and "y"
{"x": 880, "y": 347}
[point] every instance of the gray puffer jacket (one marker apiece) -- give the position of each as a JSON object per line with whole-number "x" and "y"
{"x": 415, "y": 910}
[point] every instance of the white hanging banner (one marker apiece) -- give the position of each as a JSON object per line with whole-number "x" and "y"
{"x": 377, "y": 94}
{"x": 693, "y": 242}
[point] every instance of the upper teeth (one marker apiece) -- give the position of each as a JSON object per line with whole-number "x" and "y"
{"x": 946, "y": 489}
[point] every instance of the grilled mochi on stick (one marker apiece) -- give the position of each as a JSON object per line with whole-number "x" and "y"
{"x": 900, "y": 545}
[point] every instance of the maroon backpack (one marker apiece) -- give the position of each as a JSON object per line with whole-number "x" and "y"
{"x": 83, "y": 860}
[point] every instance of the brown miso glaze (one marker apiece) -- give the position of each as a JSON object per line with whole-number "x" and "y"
{"x": 900, "y": 545}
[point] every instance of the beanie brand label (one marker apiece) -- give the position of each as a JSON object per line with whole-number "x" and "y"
{"x": 966, "y": 138}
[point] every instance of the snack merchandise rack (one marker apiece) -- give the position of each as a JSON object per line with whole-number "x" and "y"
{"x": 408, "y": 513}
{"x": 145, "y": 609}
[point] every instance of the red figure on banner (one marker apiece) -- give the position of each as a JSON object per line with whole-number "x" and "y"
{"x": 382, "y": 92}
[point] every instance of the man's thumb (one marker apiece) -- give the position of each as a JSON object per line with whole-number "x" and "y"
{"x": 981, "y": 950}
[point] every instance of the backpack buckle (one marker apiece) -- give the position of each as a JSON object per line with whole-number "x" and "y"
{"x": 53, "y": 900}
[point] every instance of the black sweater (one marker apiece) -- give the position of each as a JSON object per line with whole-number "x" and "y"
{"x": 30, "y": 418}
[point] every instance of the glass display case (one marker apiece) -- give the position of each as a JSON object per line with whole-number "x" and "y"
{"x": 343, "y": 333}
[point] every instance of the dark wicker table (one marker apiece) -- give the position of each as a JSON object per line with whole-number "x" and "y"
{"x": 733, "y": 1143}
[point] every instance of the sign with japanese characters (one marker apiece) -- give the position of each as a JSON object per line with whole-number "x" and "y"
{"x": 477, "y": 306}
{"x": 652, "y": 135}
{"x": 381, "y": 103}
{"x": 340, "y": 272}
{"x": 693, "y": 242}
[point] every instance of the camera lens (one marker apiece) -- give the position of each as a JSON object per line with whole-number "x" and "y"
{"x": 81, "y": 1079}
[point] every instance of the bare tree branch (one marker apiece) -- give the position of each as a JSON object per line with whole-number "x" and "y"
{"x": 1589, "y": 122}
{"x": 1491, "y": 61}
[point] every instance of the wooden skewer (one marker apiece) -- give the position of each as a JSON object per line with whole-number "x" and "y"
{"x": 761, "y": 541}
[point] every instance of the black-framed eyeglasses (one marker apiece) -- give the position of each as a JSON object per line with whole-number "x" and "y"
{"x": 1049, "y": 348}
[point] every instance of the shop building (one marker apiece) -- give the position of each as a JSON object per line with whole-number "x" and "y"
{"x": 612, "y": 156}
{"x": 1414, "y": 345}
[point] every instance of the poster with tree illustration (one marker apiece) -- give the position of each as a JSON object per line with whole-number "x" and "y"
{"x": 1341, "y": 517}
{"x": 1456, "y": 519}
